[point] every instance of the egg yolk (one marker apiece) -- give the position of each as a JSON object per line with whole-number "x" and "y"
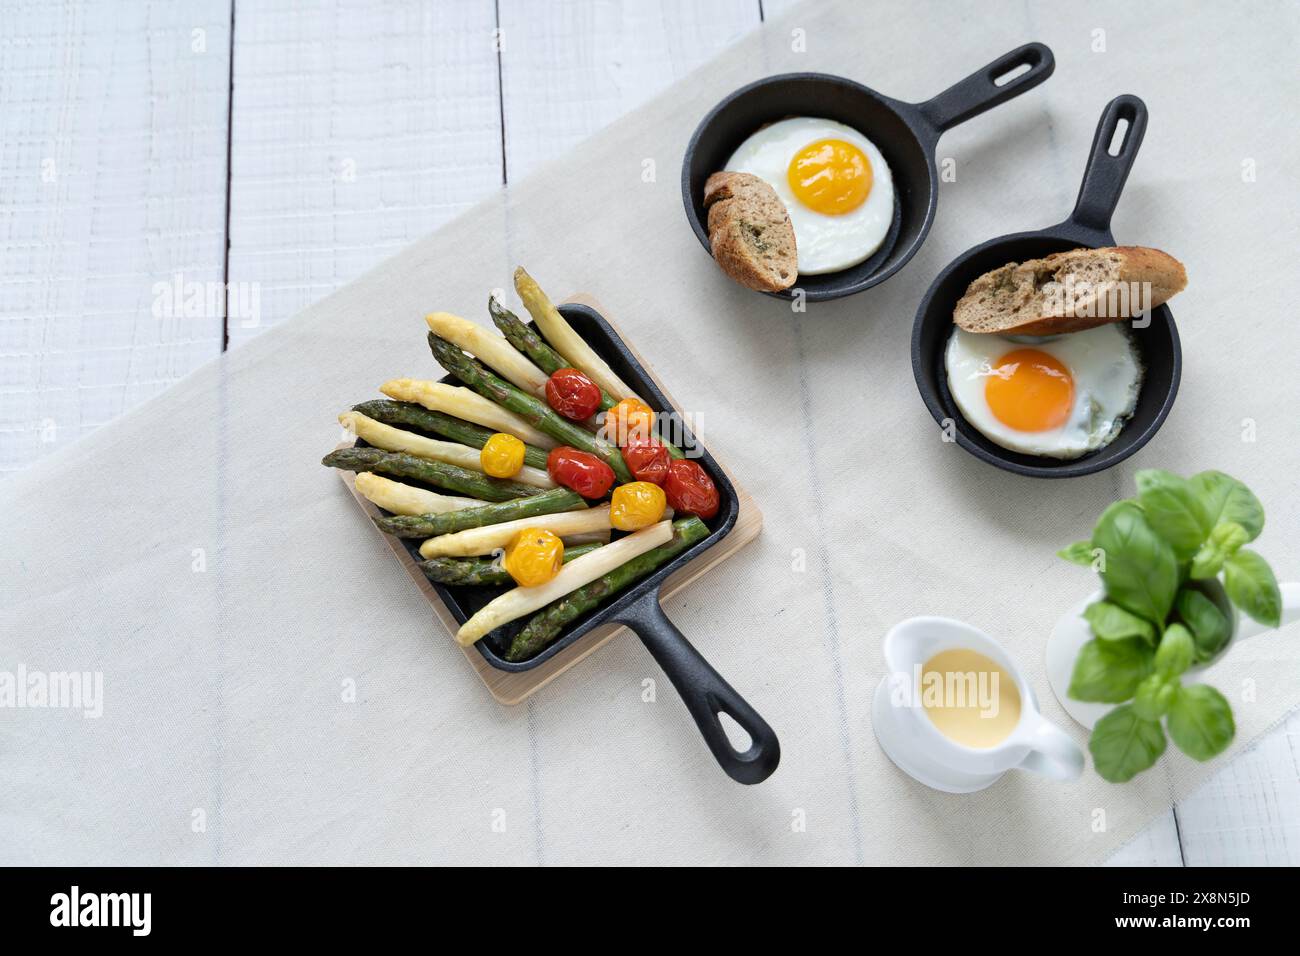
{"x": 830, "y": 176}
{"x": 1030, "y": 391}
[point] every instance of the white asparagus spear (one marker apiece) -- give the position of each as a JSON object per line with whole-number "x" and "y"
{"x": 407, "y": 499}
{"x": 515, "y": 603}
{"x": 575, "y": 527}
{"x": 491, "y": 349}
{"x": 485, "y": 540}
{"x": 463, "y": 403}
{"x": 564, "y": 339}
{"x": 432, "y": 449}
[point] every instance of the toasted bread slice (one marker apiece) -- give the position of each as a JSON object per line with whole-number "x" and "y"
{"x": 750, "y": 232}
{"x": 1070, "y": 291}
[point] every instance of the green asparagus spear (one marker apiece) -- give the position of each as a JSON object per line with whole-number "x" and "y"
{"x": 398, "y": 414}
{"x": 533, "y": 410}
{"x": 460, "y": 480}
{"x": 482, "y": 570}
{"x": 427, "y": 526}
{"x": 545, "y": 626}
{"x": 526, "y": 340}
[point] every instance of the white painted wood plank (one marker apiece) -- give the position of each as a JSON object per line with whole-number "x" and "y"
{"x": 112, "y": 179}
{"x": 359, "y": 126}
{"x": 570, "y": 68}
{"x": 1249, "y": 812}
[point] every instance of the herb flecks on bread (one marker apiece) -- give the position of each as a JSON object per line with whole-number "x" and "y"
{"x": 750, "y": 232}
{"x": 1070, "y": 291}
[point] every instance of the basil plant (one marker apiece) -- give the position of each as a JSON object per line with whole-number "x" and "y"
{"x": 1160, "y": 557}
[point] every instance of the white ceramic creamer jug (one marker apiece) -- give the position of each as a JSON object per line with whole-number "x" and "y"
{"x": 912, "y": 740}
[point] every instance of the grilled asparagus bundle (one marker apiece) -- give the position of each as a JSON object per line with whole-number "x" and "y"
{"x": 507, "y": 383}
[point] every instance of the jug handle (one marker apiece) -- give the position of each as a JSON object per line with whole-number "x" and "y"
{"x": 1053, "y": 753}
{"x": 1248, "y": 627}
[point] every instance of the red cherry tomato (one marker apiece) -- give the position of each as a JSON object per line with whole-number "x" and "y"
{"x": 646, "y": 458}
{"x": 572, "y": 394}
{"x": 689, "y": 488}
{"x": 583, "y": 472}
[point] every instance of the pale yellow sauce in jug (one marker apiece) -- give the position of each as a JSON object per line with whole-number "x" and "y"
{"x": 969, "y": 698}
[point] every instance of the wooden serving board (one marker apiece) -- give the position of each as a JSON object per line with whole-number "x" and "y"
{"x": 512, "y": 687}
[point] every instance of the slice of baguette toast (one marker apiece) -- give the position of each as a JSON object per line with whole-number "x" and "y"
{"x": 750, "y": 232}
{"x": 1070, "y": 291}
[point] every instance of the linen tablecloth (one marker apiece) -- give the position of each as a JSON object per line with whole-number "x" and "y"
{"x": 276, "y": 690}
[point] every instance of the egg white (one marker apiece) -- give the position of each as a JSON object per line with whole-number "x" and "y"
{"x": 1107, "y": 374}
{"x": 824, "y": 243}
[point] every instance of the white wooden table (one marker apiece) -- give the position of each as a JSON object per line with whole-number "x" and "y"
{"x": 176, "y": 177}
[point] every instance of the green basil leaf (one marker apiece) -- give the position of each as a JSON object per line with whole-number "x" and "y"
{"x": 1200, "y": 721}
{"x": 1139, "y": 568}
{"x": 1123, "y": 744}
{"x": 1224, "y": 541}
{"x": 1251, "y": 586}
{"x": 1176, "y": 650}
{"x": 1079, "y": 553}
{"x": 1111, "y": 622}
{"x": 1108, "y": 672}
{"x": 1208, "y": 624}
{"x": 1154, "y": 697}
{"x": 1174, "y": 510}
{"x": 1224, "y": 498}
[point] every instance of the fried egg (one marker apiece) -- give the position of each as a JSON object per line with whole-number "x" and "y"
{"x": 1058, "y": 396}
{"x": 834, "y": 183}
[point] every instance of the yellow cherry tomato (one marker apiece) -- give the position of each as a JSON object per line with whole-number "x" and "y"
{"x": 534, "y": 556}
{"x": 628, "y": 417}
{"x": 502, "y": 455}
{"x": 636, "y": 505}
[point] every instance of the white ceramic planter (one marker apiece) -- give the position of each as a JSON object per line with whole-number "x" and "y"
{"x": 1072, "y": 632}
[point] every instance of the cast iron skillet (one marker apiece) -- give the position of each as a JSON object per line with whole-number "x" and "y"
{"x": 1088, "y": 225}
{"x": 905, "y": 133}
{"x": 702, "y": 689}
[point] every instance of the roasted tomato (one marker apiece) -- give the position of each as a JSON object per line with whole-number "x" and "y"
{"x": 636, "y": 505}
{"x": 572, "y": 394}
{"x": 533, "y": 557}
{"x": 502, "y": 456}
{"x": 582, "y": 471}
{"x": 629, "y": 418}
{"x": 646, "y": 458}
{"x": 690, "y": 489}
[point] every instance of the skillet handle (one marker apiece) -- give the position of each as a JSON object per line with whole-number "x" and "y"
{"x": 1105, "y": 175}
{"x": 705, "y": 694}
{"x": 978, "y": 92}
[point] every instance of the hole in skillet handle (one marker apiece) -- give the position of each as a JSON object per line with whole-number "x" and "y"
{"x": 707, "y": 696}
{"x": 463, "y": 602}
